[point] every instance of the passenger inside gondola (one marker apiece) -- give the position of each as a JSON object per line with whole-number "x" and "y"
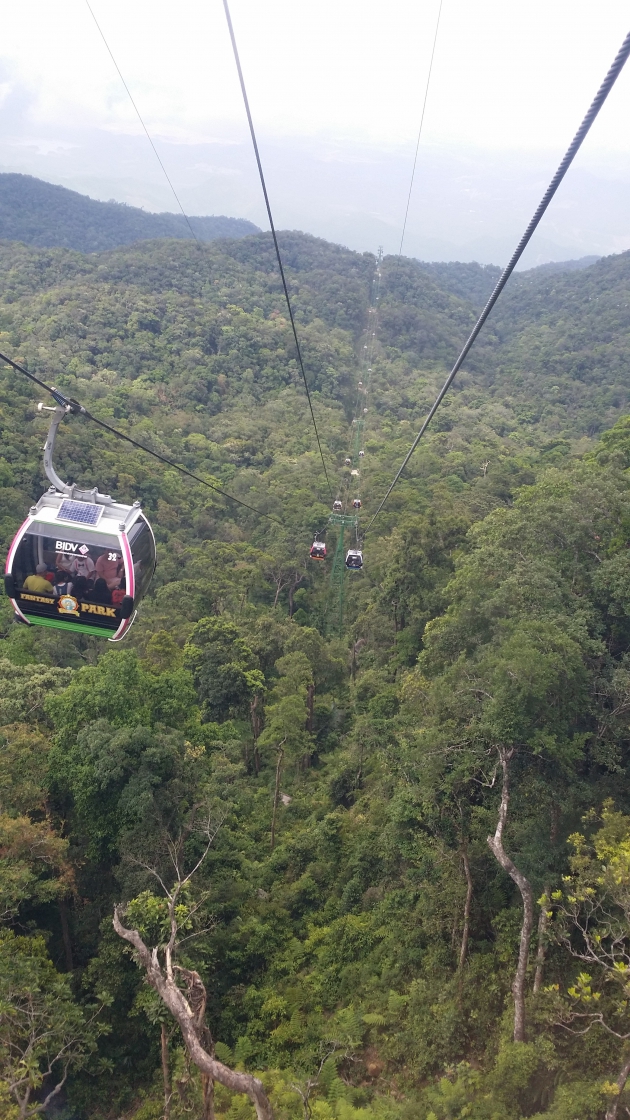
{"x": 99, "y": 593}
{"x": 38, "y": 581}
{"x": 118, "y": 594}
{"x": 83, "y": 564}
{"x": 80, "y": 587}
{"x": 109, "y": 566}
{"x": 57, "y": 568}
{"x": 63, "y": 583}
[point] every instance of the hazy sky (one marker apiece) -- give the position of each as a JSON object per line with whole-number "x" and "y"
{"x": 336, "y": 88}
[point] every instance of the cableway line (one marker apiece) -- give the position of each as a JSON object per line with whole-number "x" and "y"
{"x": 424, "y": 107}
{"x": 570, "y": 155}
{"x": 76, "y": 407}
{"x": 273, "y": 232}
{"x": 139, "y": 116}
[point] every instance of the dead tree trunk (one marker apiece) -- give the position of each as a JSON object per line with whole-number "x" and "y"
{"x": 280, "y": 583}
{"x": 166, "y": 1072}
{"x": 163, "y": 980}
{"x": 543, "y": 918}
{"x": 256, "y": 722}
{"x": 543, "y": 922}
{"x": 207, "y": 1082}
{"x": 310, "y": 722}
{"x": 207, "y": 1086}
{"x": 65, "y": 934}
{"x": 496, "y": 845}
{"x": 624, "y": 1072}
{"x": 295, "y": 582}
{"x": 276, "y": 795}
{"x": 463, "y": 950}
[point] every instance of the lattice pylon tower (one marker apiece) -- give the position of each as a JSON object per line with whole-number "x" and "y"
{"x": 338, "y": 572}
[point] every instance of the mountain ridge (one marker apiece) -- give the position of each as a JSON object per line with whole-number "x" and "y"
{"x": 48, "y": 216}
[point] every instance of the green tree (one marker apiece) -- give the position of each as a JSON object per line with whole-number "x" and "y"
{"x": 223, "y": 668}
{"x": 591, "y": 918}
{"x": 286, "y": 720}
{"x": 44, "y": 1033}
{"x": 24, "y": 690}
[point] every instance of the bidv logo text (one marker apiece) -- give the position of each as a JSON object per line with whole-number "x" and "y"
{"x": 65, "y": 546}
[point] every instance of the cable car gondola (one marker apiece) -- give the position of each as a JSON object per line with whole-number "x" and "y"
{"x": 81, "y": 561}
{"x": 318, "y": 550}
{"x": 354, "y": 559}
{"x": 347, "y": 462}
{"x": 357, "y": 503}
{"x": 337, "y": 505}
{"x": 361, "y": 454}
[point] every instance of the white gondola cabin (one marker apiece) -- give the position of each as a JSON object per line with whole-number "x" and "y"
{"x": 354, "y": 559}
{"x": 81, "y": 561}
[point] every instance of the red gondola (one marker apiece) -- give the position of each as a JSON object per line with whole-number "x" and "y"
{"x": 318, "y": 550}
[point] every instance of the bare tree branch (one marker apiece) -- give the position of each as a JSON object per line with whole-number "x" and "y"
{"x": 172, "y": 996}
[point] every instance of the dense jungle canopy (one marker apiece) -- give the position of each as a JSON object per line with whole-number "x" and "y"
{"x": 365, "y": 949}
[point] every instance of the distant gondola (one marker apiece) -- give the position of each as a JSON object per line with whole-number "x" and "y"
{"x": 354, "y": 559}
{"x": 318, "y": 550}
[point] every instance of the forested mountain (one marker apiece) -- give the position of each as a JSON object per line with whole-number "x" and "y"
{"x": 410, "y": 826}
{"x": 40, "y": 213}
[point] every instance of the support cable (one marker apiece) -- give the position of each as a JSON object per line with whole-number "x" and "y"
{"x": 273, "y": 231}
{"x": 424, "y": 106}
{"x": 137, "y": 111}
{"x": 76, "y": 407}
{"x": 571, "y": 153}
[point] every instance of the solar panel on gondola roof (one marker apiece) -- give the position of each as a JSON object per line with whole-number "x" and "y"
{"x": 81, "y": 513}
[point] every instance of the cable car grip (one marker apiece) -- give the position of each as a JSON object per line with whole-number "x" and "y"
{"x": 64, "y": 406}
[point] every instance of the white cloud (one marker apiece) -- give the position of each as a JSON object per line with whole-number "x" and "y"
{"x": 336, "y": 88}
{"x": 505, "y": 75}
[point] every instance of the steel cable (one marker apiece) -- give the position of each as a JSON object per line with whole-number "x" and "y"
{"x": 273, "y": 231}
{"x": 137, "y": 112}
{"x": 77, "y": 407}
{"x": 424, "y": 106}
{"x": 570, "y": 155}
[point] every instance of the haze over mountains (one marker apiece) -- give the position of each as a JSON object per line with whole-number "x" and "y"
{"x": 466, "y": 205}
{"x": 47, "y": 215}
{"x": 40, "y": 213}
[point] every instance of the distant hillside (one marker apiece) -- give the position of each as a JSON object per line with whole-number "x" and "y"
{"x": 48, "y": 216}
{"x": 474, "y": 282}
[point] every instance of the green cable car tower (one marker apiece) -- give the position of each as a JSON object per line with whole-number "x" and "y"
{"x": 338, "y": 574}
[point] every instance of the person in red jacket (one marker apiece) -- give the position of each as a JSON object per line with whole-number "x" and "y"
{"x": 118, "y": 594}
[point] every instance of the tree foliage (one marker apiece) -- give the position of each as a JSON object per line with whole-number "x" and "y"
{"x": 415, "y": 903}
